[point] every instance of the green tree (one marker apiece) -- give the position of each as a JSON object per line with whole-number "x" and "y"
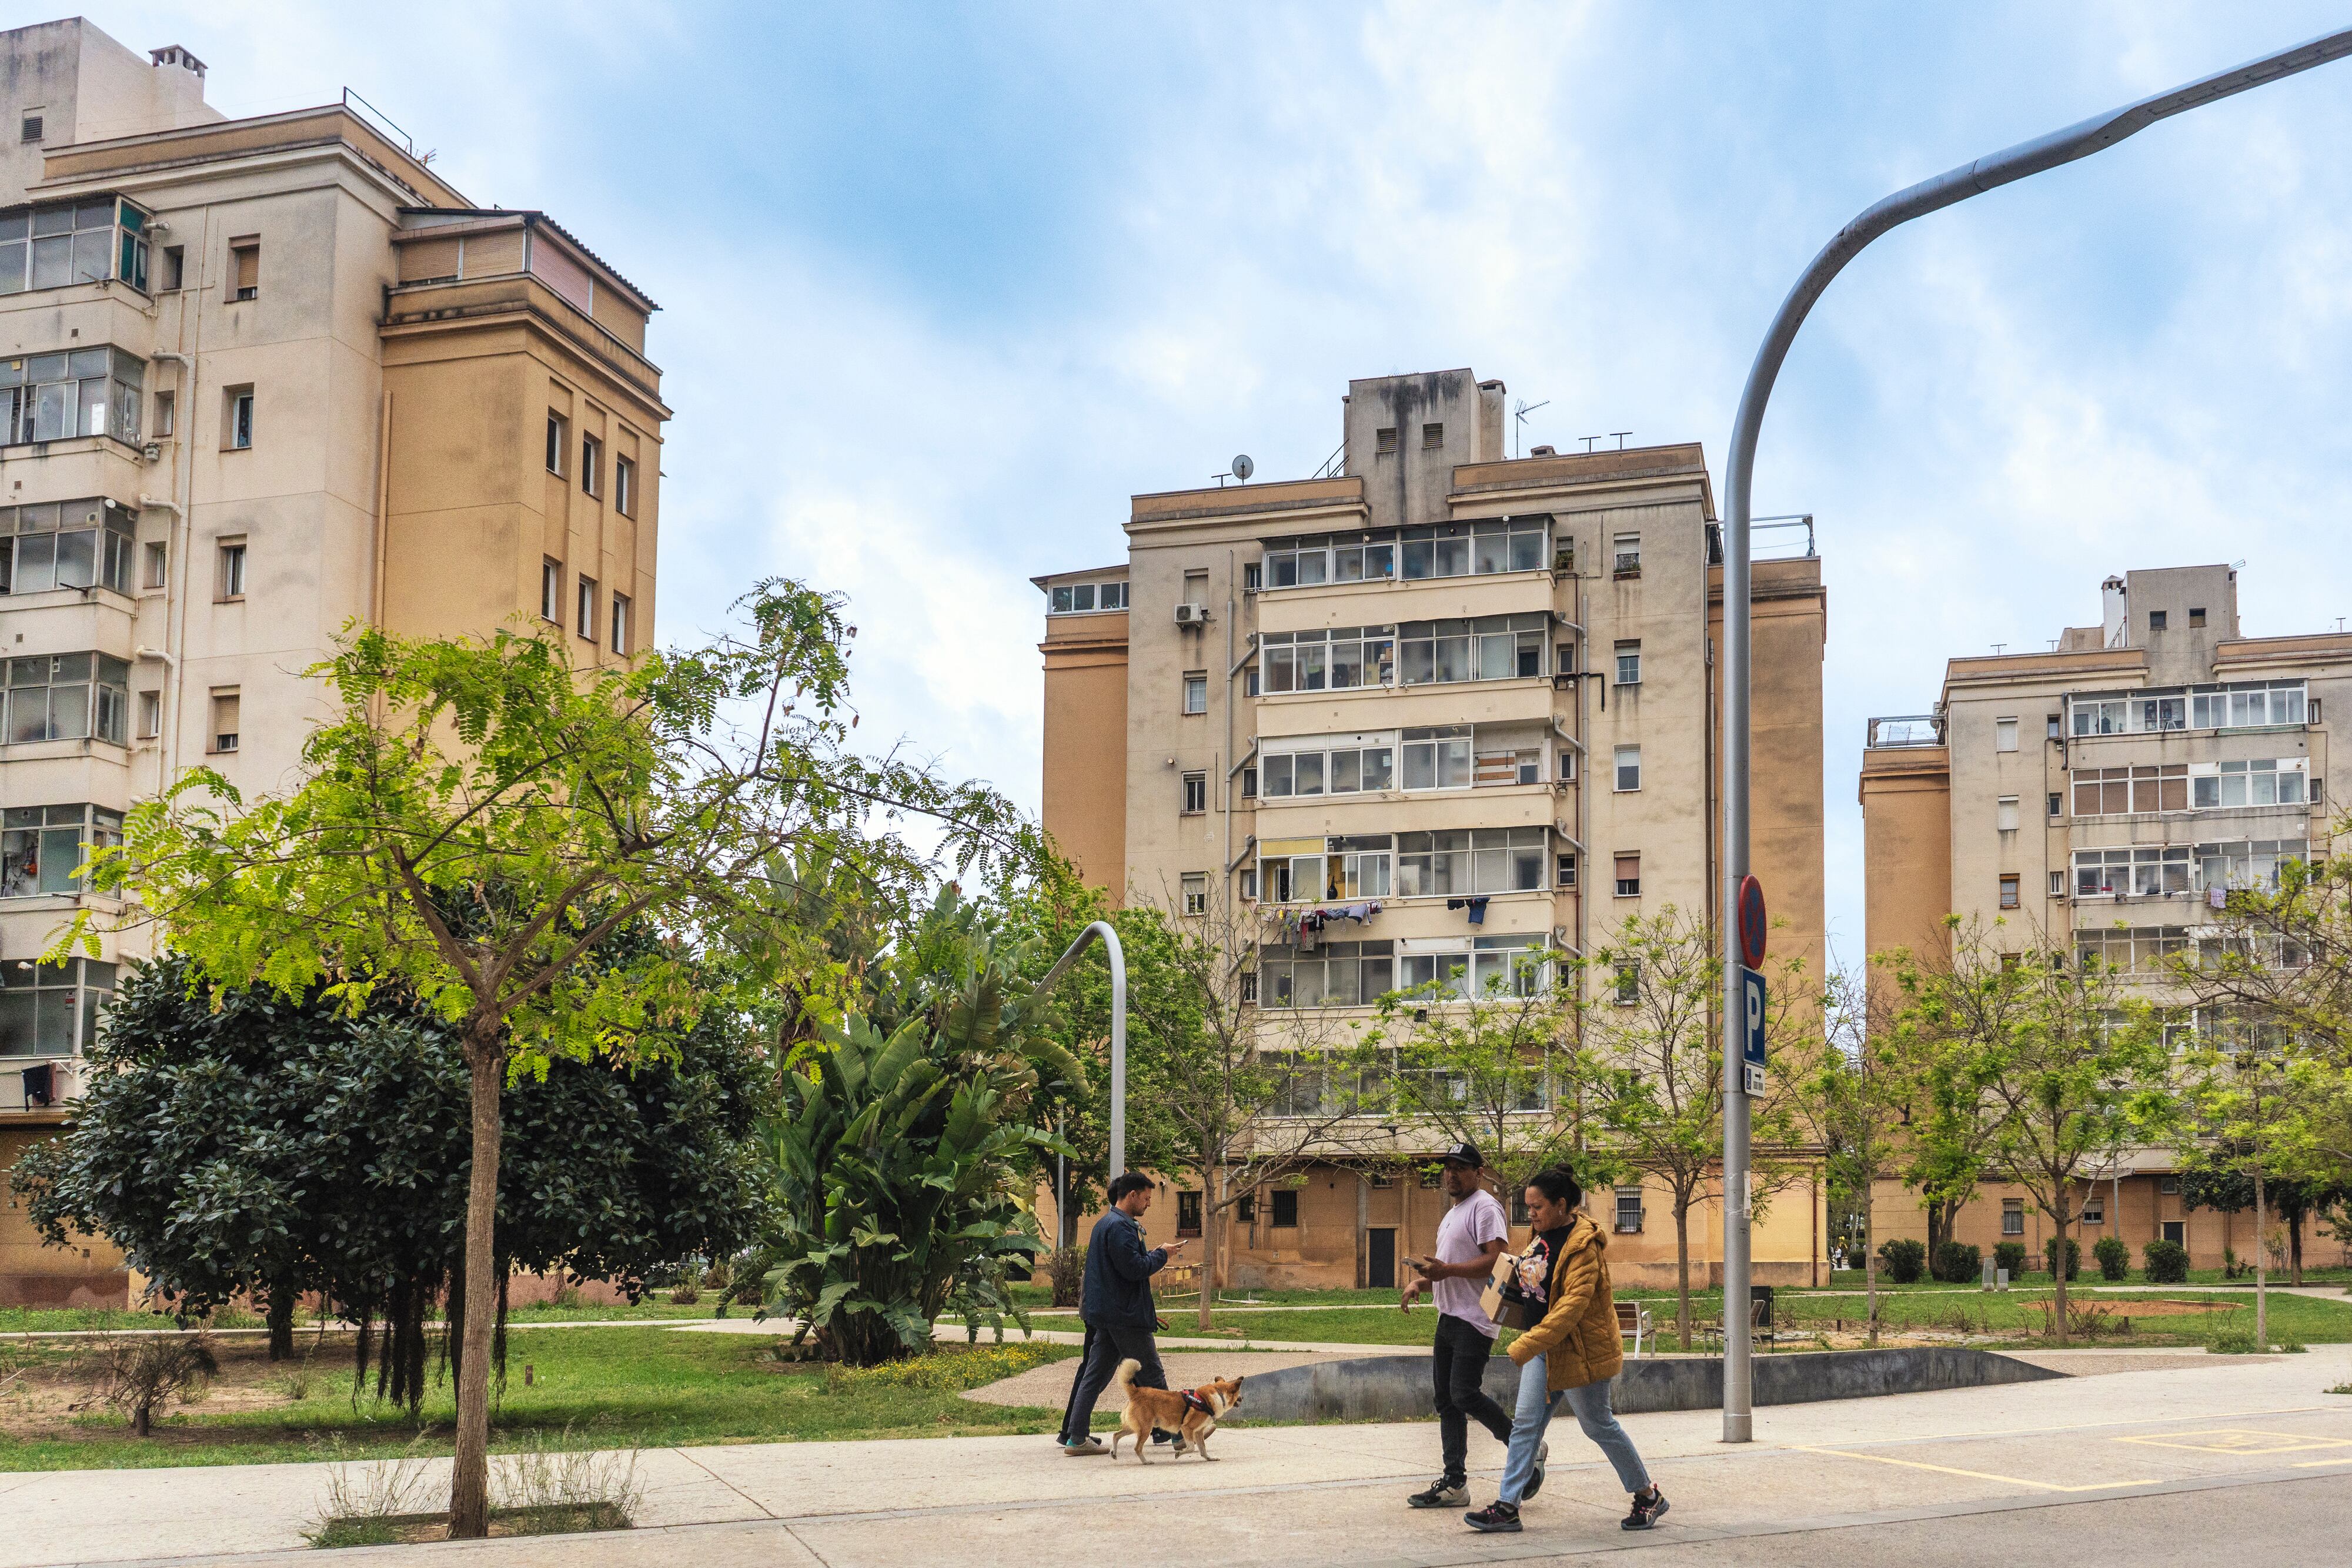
{"x": 474, "y": 818}
{"x": 1650, "y": 1070}
{"x": 1862, "y": 1095}
{"x": 1941, "y": 1001}
{"x": 280, "y": 1147}
{"x": 902, "y": 1142}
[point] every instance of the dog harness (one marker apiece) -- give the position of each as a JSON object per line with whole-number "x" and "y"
{"x": 1194, "y": 1402}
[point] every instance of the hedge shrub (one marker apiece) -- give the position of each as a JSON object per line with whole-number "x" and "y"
{"x": 2167, "y": 1263}
{"x": 1902, "y": 1259}
{"x": 2010, "y": 1255}
{"x": 1958, "y": 1263}
{"x": 2114, "y": 1258}
{"x": 2073, "y": 1257}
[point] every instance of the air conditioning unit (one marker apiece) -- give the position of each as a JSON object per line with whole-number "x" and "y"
{"x": 1191, "y": 615}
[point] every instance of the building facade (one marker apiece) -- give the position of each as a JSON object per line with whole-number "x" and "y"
{"x": 1451, "y": 708}
{"x": 2103, "y": 794}
{"x": 260, "y": 380}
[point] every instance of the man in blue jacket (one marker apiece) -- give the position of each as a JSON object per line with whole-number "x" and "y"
{"x": 1120, "y": 1315}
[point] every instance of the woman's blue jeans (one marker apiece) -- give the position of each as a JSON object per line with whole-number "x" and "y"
{"x": 1534, "y": 1413}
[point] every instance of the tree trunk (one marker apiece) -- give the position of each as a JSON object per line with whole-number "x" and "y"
{"x": 281, "y": 1319}
{"x": 1940, "y": 1224}
{"x": 2058, "y": 1271}
{"x": 1870, "y": 1266}
{"x": 1207, "y": 1270}
{"x": 469, "y": 1476}
{"x": 1682, "y": 1275}
{"x": 2294, "y": 1247}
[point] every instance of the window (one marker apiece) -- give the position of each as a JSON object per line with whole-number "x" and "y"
{"x": 2262, "y": 781}
{"x": 1249, "y": 891}
{"x": 1188, "y": 1214}
{"x": 1487, "y": 648}
{"x": 157, "y": 561}
{"x": 1249, "y": 783}
{"x": 2009, "y": 891}
{"x": 1628, "y": 875}
{"x": 2057, "y": 885}
{"x": 236, "y": 420}
{"x": 1628, "y": 663}
{"x": 228, "y": 576}
{"x": 167, "y": 414}
{"x": 57, "y": 245}
{"x": 1629, "y": 768}
{"x": 245, "y": 268}
{"x": 42, "y": 847}
{"x": 1196, "y": 691}
{"x": 2013, "y": 1216}
{"x": 592, "y": 464}
{"x": 2122, "y": 791}
{"x": 1114, "y": 596}
{"x": 2095, "y": 1209}
{"x": 1565, "y": 870}
{"x": 1342, "y": 765}
{"x": 2156, "y": 620}
{"x": 2126, "y": 949}
{"x": 2167, "y": 1184}
{"x": 2149, "y": 870}
{"x": 65, "y": 544}
{"x": 1457, "y": 862}
{"x": 1519, "y": 1206}
{"x": 1253, "y": 576}
{"x": 624, "y": 487}
{"x": 2004, "y": 735}
{"x": 2057, "y": 805}
{"x": 52, "y": 1009}
{"x": 1195, "y": 889}
{"x": 2196, "y": 615}
{"x": 550, "y": 591}
{"x": 225, "y": 706}
{"x": 83, "y": 392}
{"x": 1432, "y": 436}
{"x": 1285, "y": 1209}
{"x": 1384, "y": 440}
{"x": 175, "y": 268}
{"x": 620, "y": 623}
{"x": 151, "y": 715}
{"x": 68, "y": 696}
{"x": 2053, "y": 726}
{"x": 1080, "y": 598}
{"x": 1483, "y": 967}
{"x": 1629, "y": 1211}
{"x": 1628, "y": 555}
{"x": 2005, "y": 815}
{"x": 586, "y": 599}
{"x": 1486, "y": 546}
{"x": 1249, "y": 985}
{"x": 2246, "y": 863}
{"x": 557, "y": 439}
{"x": 1196, "y": 794}
{"x": 29, "y": 127}
{"x": 1196, "y": 589}
{"x": 1628, "y": 984}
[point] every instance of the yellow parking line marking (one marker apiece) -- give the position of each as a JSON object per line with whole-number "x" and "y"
{"x": 1974, "y": 1475}
{"x": 2319, "y": 1464}
{"x": 2238, "y": 1440}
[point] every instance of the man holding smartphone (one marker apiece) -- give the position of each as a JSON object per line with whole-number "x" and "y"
{"x": 1469, "y": 1239}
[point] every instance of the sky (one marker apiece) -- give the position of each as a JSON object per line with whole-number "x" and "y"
{"x": 942, "y": 286}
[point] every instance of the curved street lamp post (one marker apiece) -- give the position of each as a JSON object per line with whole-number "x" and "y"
{"x": 2080, "y": 140}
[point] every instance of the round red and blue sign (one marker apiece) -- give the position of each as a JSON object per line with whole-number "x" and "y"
{"x": 1751, "y": 922}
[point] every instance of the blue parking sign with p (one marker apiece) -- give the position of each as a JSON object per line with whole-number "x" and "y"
{"x": 1751, "y": 990}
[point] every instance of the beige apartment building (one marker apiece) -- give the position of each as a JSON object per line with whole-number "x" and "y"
{"x": 1412, "y": 719}
{"x": 2103, "y": 794}
{"x": 260, "y": 379}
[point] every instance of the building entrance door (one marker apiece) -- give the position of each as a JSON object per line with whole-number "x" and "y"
{"x": 1380, "y": 1260}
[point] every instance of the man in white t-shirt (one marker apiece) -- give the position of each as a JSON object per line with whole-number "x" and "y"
{"x": 1469, "y": 1237}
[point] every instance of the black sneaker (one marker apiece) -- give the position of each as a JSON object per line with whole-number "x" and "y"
{"x": 1645, "y": 1512}
{"x": 1536, "y": 1478}
{"x": 1494, "y": 1518}
{"x": 1443, "y": 1492}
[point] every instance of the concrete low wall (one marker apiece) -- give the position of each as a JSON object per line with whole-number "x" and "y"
{"x": 1397, "y": 1389}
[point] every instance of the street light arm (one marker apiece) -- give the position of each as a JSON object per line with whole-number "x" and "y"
{"x": 1102, "y": 929}
{"x": 2079, "y": 141}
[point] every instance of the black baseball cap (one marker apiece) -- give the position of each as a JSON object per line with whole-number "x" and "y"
{"x": 1467, "y": 1154}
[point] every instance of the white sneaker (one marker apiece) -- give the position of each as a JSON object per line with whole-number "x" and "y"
{"x": 1535, "y": 1481}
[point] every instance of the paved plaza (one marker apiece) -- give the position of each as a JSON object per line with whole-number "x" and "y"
{"x": 2165, "y": 1461}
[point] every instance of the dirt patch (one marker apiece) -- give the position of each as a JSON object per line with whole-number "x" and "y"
{"x": 49, "y": 1397}
{"x": 2164, "y": 1309}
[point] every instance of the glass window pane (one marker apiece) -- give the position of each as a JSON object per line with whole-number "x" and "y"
{"x": 53, "y": 262}
{"x": 1308, "y": 778}
{"x": 1380, "y": 767}
{"x": 28, "y": 715}
{"x": 52, "y": 416}
{"x": 70, "y": 713}
{"x": 1527, "y": 550}
{"x": 1275, "y": 778}
{"x": 60, "y": 852}
{"x": 93, "y": 255}
{"x": 37, "y": 564}
{"x": 1311, "y": 564}
{"x": 1492, "y": 552}
{"x": 1420, "y": 558}
{"x": 1347, "y": 772}
{"x": 77, "y": 558}
{"x": 12, "y": 268}
{"x": 1497, "y": 656}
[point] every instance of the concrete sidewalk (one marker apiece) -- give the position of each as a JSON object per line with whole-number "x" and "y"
{"x": 2193, "y": 1437}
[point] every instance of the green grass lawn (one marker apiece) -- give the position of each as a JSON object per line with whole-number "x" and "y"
{"x": 1851, "y": 1279}
{"x": 590, "y": 1388}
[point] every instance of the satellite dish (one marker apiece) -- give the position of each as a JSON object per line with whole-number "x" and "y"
{"x": 1243, "y": 467}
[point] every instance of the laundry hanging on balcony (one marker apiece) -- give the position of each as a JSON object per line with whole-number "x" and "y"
{"x": 1476, "y": 906}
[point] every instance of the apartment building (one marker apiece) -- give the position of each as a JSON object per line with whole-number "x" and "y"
{"x": 2102, "y": 794}
{"x": 260, "y": 379}
{"x": 1412, "y": 719}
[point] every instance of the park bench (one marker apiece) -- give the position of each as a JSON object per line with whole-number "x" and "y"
{"x": 1633, "y": 1321}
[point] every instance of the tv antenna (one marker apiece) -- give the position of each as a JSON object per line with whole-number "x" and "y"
{"x": 1588, "y": 440}
{"x": 1621, "y": 435}
{"x": 1242, "y": 469}
{"x": 1519, "y": 420}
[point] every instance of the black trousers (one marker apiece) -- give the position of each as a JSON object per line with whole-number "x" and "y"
{"x": 1458, "y": 1368}
{"x": 1106, "y": 1348}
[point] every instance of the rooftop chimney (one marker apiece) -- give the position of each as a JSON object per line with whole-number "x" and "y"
{"x": 2114, "y": 612}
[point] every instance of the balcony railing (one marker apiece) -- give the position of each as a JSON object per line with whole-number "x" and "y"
{"x": 1901, "y": 730}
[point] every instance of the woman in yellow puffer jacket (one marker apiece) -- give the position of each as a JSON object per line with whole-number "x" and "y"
{"x": 1571, "y": 1354}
